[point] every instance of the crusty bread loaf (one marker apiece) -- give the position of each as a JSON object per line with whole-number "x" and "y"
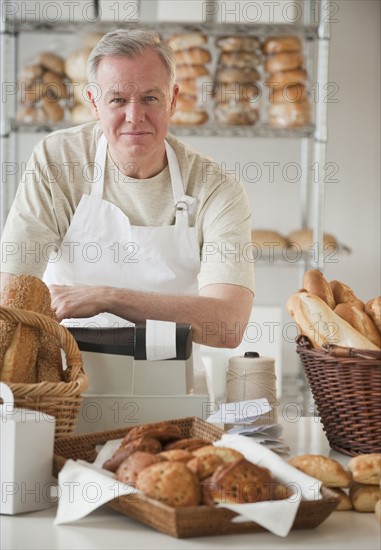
{"x": 364, "y": 497}
{"x": 267, "y": 238}
{"x": 324, "y": 468}
{"x": 373, "y": 309}
{"x": 315, "y": 282}
{"x": 322, "y": 325}
{"x": 366, "y": 468}
{"x": 359, "y": 320}
{"x": 28, "y": 355}
{"x": 303, "y": 238}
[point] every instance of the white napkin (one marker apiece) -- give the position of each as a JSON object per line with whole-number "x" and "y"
{"x": 84, "y": 487}
{"x": 240, "y": 412}
{"x": 275, "y": 516}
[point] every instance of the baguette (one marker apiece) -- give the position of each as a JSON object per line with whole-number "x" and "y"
{"x": 322, "y": 325}
{"x": 343, "y": 293}
{"x": 373, "y": 309}
{"x": 359, "y": 320}
{"x": 315, "y": 282}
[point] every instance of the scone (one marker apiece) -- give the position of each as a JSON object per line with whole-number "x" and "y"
{"x": 171, "y": 483}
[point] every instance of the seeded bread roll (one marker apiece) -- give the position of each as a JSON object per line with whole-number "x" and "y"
{"x": 324, "y": 468}
{"x": 364, "y": 497}
{"x": 170, "y": 482}
{"x": 128, "y": 470}
{"x": 315, "y": 282}
{"x": 146, "y": 444}
{"x": 239, "y": 59}
{"x": 322, "y": 325}
{"x": 366, "y": 468}
{"x": 359, "y": 320}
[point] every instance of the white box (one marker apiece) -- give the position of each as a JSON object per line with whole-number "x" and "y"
{"x": 122, "y": 374}
{"x": 109, "y": 412}
{"x": 26, "y": 452}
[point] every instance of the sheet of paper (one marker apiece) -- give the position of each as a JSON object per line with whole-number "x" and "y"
{"x": 160, "y": 340}
{"x": 240, "y": 412}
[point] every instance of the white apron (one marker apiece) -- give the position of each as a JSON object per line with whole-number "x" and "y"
{"x": 101, "y": 247}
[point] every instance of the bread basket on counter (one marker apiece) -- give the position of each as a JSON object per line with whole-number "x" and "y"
{"x": 59, "y": 399}
{"x": 346, "y": 387}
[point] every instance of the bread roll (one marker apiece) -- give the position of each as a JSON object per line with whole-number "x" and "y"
{"x": 54, "y": 86}
{"x": 324, "y": 468}
{"x": 52, "y": 109}
{"x": 303, "y": 238}
{"x": 315, "y": 282}
{"x": 32, "y": 95}
{"x": 79, "y": 114}
{"x": 30, "y": 114}
{"x": 289, "y": 115}
{"x": 287, "y": 94}
{"x": 76, "y": 64}
{"x": 277, "y": 44}
{"x": 343, "y": 293}
{"x": 52, "y": 62}
{"x": 188, "y": 86}
{"x": 238, "y": 43}
{"x": 364, "y": 497}
{"x": 184, "y": 41}
{"x": 284, "y": 61}
{"x": 321, "y": 325}
{"x": 285, "y": 78}
{"x": 236, "y": 113}
{"x": 128, "y": 470}
{"x": 237, "y": 91}
{"x": 233, "y": 74}
{"x": 366, "y": 468}
{"x": 373, "y": 309}
{"x": 185, "y": 102}
{"x": 189, "y": 117}
{"x": 186, "y": 72}
{"x": 145, "y": 444}
{"x": 176, "y": 455}
{"x": 239, "y": 59}
{"x": 345, "y": 502}
{"x": 265, "y": 238}
{"x": 30, "y": 74}
{"x": 360, "y": 321}
{"x": 170, "y": 482}
{"x": 193, "y": 56}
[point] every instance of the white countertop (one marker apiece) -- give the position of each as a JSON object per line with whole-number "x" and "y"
{"x": 106, "y": 529}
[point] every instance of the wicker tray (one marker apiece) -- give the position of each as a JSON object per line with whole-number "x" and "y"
{"x": 192, "y": 521}
{"x": 346, "y": 386}
{"x": 59, "y": 399}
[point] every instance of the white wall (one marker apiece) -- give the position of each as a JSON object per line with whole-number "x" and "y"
{"x": 352, "y": 207}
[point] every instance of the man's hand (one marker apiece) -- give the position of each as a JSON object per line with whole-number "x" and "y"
{"x": 76, "y": 301}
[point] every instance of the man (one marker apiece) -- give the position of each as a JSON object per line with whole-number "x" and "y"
{"x": 119, "y": 217}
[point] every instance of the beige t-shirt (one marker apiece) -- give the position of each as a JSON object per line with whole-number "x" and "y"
{"x": 60, "y": 171}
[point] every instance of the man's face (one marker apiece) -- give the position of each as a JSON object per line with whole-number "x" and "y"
{"x": 134, "y": 105}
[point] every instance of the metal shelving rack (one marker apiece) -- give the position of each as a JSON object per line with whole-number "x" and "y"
{"x": 313, "y": 139}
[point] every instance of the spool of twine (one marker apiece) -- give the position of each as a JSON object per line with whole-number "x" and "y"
{"x": 249, "y": 378}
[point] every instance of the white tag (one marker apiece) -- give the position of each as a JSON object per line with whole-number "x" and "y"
{"x": 240, "y": 412}
{"x": 160, "y": 340}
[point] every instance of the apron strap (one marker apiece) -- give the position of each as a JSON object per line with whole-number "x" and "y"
{"x": 99, "y": 168}
{"x": 183, "y": 202}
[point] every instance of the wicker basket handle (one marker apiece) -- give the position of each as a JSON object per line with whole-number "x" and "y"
{"x": 66, "y": 340}
{"x": 340, "y": 351}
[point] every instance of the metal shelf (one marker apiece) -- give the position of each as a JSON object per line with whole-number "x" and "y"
{"x": 210, "y": 29}
{"x": 206, "y": 130}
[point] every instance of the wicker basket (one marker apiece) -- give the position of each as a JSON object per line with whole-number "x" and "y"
{"x": 346, "y": 386}
{"x": 59, "y": 399}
